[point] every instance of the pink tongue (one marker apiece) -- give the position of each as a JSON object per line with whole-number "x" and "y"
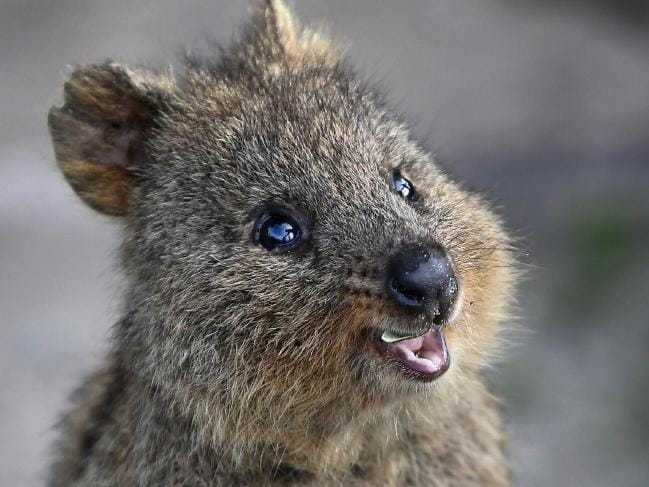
{"x": 426, "y": 354}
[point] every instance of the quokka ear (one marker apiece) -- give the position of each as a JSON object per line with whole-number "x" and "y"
{"x": 100, "y": 131}
{"x": 277, "y": 31}
{"x": 275, "y": 23}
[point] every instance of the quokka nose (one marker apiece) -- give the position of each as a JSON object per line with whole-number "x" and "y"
{"x": 421, "y": 279}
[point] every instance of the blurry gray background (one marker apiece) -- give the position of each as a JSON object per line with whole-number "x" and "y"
{"x": 542, "y": 105}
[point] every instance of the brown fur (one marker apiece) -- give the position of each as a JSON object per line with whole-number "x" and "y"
{"x": 237, "y": 366}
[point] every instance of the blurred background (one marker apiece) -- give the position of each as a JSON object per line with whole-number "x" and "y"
{"x": 542, "y": 105}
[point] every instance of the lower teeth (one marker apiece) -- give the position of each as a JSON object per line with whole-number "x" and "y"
{"x": 390, "y": 336}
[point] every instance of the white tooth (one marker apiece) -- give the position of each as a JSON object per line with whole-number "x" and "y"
{"x": 390, "y": 336}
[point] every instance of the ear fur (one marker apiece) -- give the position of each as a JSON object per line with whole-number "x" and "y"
{"x": 276, "y": 22}
{"x": 99, "y": 132}
{"x": 280, "y": 35}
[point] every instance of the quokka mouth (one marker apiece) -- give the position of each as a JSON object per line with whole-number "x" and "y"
{"x": 423, "y": 357}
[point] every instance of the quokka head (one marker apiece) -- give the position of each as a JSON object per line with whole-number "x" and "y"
{"x": 289, "y": 247}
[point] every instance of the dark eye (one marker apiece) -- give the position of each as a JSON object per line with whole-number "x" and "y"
{"x": 403, "y": 186}
{"x": 277, "y": 230}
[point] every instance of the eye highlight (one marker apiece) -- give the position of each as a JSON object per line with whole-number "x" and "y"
{"x": 279, "y": 230}
{"x": 403, "y": 186}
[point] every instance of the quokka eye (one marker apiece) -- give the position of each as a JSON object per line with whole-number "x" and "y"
{"x": 277, "y": 230}
{"x": 403, "y": 186}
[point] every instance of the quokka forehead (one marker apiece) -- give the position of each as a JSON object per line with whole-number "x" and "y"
{"x": 287, "y": 164}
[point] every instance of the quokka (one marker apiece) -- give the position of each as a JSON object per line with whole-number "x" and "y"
{"x": 310, "y": 300}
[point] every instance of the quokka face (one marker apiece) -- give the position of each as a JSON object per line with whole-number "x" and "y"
{"x": 289, "y": 246}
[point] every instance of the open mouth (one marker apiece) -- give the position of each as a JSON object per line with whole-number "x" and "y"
{"x": 424, "y": 357}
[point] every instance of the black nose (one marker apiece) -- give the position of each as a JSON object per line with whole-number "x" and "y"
{"x": 421, "y": 279}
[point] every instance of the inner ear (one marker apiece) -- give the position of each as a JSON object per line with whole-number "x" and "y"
{"x": 99, "y": 133}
